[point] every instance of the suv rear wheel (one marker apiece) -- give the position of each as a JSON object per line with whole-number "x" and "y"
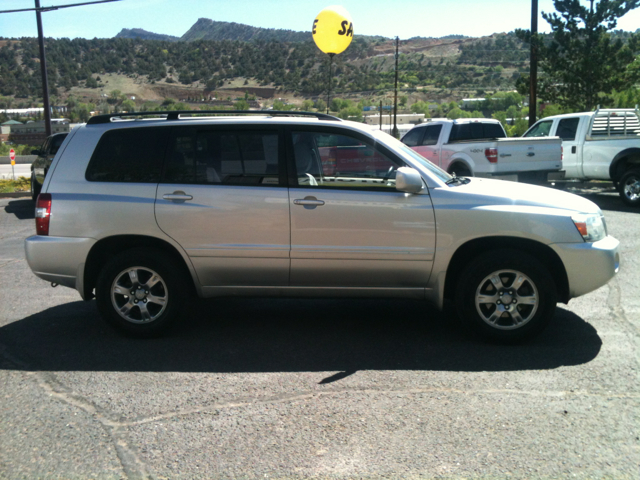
{"x": 141, "y": 292}
{"x": 506, "y": 295}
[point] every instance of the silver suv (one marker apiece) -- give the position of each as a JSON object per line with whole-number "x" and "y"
{"x": 147, "y": 210}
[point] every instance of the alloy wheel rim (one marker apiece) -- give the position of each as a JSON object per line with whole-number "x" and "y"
{"x": 139, "y": 295}
{"x": 507, "y": 299}
{"x": 632, "y": 188}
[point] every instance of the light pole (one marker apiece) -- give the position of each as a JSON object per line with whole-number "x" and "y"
{"x": 533, "y": 64}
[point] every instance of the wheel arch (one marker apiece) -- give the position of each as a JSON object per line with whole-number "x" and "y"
{"x": 463, "y": 161}
{"x": 106, "y": 248}
{"x": 469, "y": 250}
{"x": 622, "y": 161}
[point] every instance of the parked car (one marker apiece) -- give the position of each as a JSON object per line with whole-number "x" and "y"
{"x": 40, "y": 166}
{"x": 480, "y": 147}
{"x": 600, "y": 145}
{"x": 145, "y": 210}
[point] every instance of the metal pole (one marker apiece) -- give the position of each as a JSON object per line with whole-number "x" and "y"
{"x": 533, "y": 70}
{"x": 395, "y": 96}
{"x": 330, "y": 79}
{"x": 43, "y": 71}
{"x": 380, "y": 113}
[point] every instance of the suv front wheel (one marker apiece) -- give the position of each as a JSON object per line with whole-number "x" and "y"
{"x": 141, "y": 292}
{"x": 506, "y": 295}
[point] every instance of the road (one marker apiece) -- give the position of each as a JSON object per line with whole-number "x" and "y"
{"x": 20, "y": 171}
{"x": 264, "y": 388}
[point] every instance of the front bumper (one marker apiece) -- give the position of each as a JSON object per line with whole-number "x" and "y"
{"x": 589, "y": 265}
{"x": 59, "y": 259}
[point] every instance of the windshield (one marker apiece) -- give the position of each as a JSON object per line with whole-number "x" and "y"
{"x": 398, "y": 145}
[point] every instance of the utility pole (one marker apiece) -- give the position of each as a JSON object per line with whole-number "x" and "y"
{"x": 395, "y": 96}
{"x": 380, "y": 113}
{"x": 533, "y": 64}
{"x": 43, "y": 71}
{"x": 43, "y": 62}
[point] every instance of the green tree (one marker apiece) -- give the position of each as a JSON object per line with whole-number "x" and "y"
{"x": 307, "y": 105}
{"x": 582, "y": 62}
{"x": 321, "y": 105}
{"x": 241, "y": 105}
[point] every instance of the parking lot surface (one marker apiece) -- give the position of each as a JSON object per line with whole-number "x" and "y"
{"x": 277, "y": 388}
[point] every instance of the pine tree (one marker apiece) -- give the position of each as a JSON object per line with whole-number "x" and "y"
{"x": 582, "y": 64}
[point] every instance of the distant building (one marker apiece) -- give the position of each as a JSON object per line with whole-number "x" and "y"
{"x": 34, "y": 133}
{"x": 402, "y": 119}
{"x": 32, "y": 112}
{"x": 5, "y": 130}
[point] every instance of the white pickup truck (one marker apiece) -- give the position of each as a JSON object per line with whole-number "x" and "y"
{"x": 600, "y": 145}
{"x": 480, "y": 147}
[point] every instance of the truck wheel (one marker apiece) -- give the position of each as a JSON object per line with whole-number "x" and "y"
{"x": 505, "y": 296}
{"x": 141, "y": 292}
{"x": 460, "y": 171}
{"x": 629, "y": 187}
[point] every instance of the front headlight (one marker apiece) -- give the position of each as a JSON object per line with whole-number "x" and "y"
{"x": 590, "y": 225}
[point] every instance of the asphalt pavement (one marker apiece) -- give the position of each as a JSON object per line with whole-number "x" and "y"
{"x": 277, "y": 388}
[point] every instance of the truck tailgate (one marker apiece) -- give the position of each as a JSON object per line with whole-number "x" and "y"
{"x": 529, "y": 154}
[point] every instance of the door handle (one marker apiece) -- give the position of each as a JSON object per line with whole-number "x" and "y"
{"x": 530, "y": 154}
{"x": 308, "y": 202}
{"x": 573, "y": 149}
{"x": 177, "y": 196}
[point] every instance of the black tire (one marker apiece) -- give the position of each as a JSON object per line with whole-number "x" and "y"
{"x": 35, "y": 189}
{"x": 505, "y": 311}
{"x": 629, "y": 187}
{"x": 145, "y": 303}
{"x": 460, "y": 170}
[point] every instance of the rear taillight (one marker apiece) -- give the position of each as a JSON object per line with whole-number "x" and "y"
{"x": 491, "y": 154}
{"x": 562, "y": 153}
{"x": 43, "y": 213}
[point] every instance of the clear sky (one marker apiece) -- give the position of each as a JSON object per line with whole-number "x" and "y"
{"x": 390, "y": 18}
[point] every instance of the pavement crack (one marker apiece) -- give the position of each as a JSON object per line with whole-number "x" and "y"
{"x": 134, "y": 468}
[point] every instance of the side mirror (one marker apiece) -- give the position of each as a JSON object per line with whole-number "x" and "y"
{"x": 408, "y": 180}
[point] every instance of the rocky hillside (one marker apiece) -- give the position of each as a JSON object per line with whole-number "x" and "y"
{"x": 144, "y": 35}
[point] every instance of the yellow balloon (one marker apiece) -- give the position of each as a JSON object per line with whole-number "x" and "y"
{"x": 333, "y": 29}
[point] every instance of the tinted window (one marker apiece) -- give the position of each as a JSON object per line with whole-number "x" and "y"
{"x": 340, "y": 161}
{"x": 56, "y": 142}
{"x": 540, "y": 129}
{"x": 223, "y": 157}
{"x": 413, "y": 137}
{"x": 431, "y": 135}
{"x": 129, "y": 155}
{"x": 567, "y": 128}
{"x": 475, "y": 131}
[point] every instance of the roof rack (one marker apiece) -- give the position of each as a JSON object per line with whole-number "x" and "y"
{"x": 177, "y": 114}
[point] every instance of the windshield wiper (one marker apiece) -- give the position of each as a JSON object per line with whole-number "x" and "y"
{"x": 457, "y": 180}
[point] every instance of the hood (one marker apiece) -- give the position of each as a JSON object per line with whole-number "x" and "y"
{"x": 502, "y": 192}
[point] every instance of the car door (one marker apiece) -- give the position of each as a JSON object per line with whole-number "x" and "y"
{"x": 223, "y": 198}
{"x": 350, "y": 227}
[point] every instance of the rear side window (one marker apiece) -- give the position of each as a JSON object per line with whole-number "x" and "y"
{"x": 223, "y": 157}
{"x": 431, "y": 135}
{"x": 56, "y": 143}
{"x": 567, "y": 128}
{"x": 475, "y": 131}
{"x": 131, "y": 155}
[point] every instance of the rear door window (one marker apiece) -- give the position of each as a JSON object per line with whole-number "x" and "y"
{"x": 431, "y": 135}
{"x": 223, "y": 157}
{"x": 567, "y": 128}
